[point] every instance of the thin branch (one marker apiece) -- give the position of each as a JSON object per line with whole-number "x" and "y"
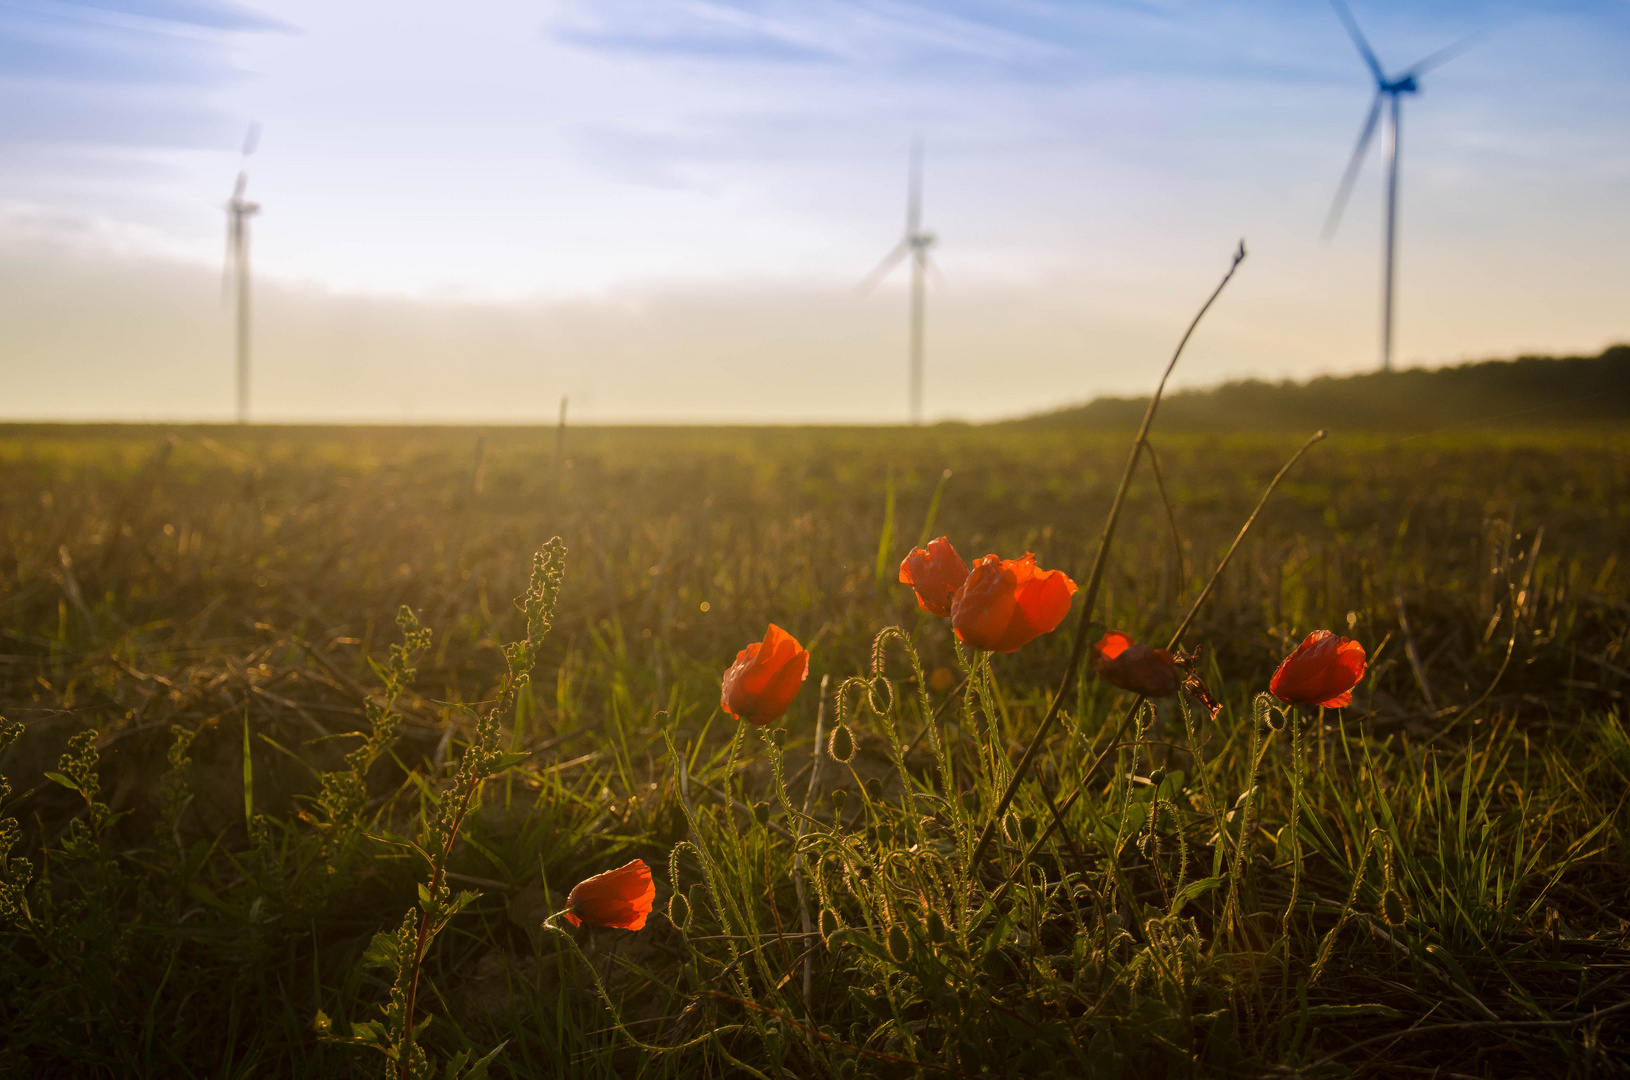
{"x": 1095, "y": 577}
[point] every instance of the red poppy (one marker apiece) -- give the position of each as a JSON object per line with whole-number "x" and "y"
{"x": 1135, "y": 666}
{"x": 1322, "y": 671}
{"x": 765, "y": 678}
{"x": 936, "y": 573}
{"x": 1008, "y": 602}
{"x": 619, "y": 898}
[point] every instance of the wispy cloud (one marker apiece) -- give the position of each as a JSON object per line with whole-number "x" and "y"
{"x": 122, "y": 72}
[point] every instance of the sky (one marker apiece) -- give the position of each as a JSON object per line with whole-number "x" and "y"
{"x": 661, "y": 210}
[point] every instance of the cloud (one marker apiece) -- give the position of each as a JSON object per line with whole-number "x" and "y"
{"x": 122, "y": 72}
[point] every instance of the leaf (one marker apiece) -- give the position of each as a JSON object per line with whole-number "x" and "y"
{"x": 371, "y": 1032}
{"x": 508, "y": 759}
{"x": 382, "y": 952}
{"x": 58, "y": 778}
{"x": 478, "y": 1068}
{"x": 861, "y": 940}
{"x": 1341, "y": 1012}
{"x": 1192, "y": 890}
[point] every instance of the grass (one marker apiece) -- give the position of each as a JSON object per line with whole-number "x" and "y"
{"x": 1430, "y": 882}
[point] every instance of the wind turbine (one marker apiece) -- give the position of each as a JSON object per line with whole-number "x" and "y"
{"x": 914, "y": 243}
{"x": 238, "y": 212}
{"x": 1391, "y": 92}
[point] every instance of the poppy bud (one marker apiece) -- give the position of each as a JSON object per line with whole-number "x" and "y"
{"x": 827, "y": 922}
{"x": 899, "y": 944}
{"x": 935, "y": 573}
{"x": 1135, "y": 668}
{"x": 842, "y": 744}
{"x": 1006, "y": 603}
{"x": 874, "y": 788}
{"x": 936, "y": 927}
{"x": 761, "y": 813}
{"x": 679, "y": 911}
{"x": 619, "y": 898}
{"x": 765, "y": 678}
{"x": 1392, "y": 908}
{"x": 1322, "y": 671}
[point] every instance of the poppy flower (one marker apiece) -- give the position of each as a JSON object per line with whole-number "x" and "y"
{"x": 1008, "y": 602}
{"x": 619, "y": 898}
{"x": 765, "y": 678}
{"x": 1322, "y": 671}
{"x": 936, "y": 573}
{"x": 1134, "y": 666}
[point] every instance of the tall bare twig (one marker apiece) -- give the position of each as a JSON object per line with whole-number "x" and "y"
{"x": 1096, "y": 575}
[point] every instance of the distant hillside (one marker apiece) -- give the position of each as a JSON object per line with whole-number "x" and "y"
{"x": 1532, "y": 391}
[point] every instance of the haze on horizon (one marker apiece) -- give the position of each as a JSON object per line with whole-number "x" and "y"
{"x": 662, "y": 209}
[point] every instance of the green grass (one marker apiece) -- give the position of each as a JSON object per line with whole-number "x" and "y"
{"x": 1451, "y": 898}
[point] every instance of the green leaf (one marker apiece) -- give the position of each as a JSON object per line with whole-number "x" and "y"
{"x": 861, "y": 940}
{"x": 382, "y": 952}
{"x": 478, "y": 1068}
{"x": 508, "y": 760}
{"x": 1192, "y": 890}
{"x": 1340, "y": 1012}
{"x": 58, "y": 778}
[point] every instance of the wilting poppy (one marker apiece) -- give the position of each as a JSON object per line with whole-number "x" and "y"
{"x": 1008, "y": 602}
{"x": 619, "y": 898}
{"x": 936, "y": 573}
{"x": 1322, "y": 671}
{"x": 765, "y": 678}
{"x": 1134, "y": 666}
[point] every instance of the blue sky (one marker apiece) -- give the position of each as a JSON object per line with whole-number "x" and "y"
{"x": 662, "y": 208}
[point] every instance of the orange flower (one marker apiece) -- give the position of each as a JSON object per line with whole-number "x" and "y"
{"x": 1322, "y": 671}
{"x": 1008, "y": 602}
{"x": 936, "y": 573}
{"x": 1135, "y": 667}
{"x": 619, "y": 898}
{"x": 765, "y": 678}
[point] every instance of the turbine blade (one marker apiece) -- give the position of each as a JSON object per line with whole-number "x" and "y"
{"x": 914, "y": 189}
{"x": 1349, "y": 177}
{"x": 1443, "y": 55}
{"x": 936, "y": 274}
{"x": 251, "y": 138}
{"x": 1357, "y": 35}
{"x": 238, "y": 188}
{"x": 881, "y": 271}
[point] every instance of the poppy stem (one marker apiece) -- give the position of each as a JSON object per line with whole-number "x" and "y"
{"x": 1095, "y": 578}
{"x": 1115, "y": 739}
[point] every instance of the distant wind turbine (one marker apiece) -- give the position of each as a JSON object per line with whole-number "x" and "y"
{"x": 238, "y": 212}
{"x": 1392, "y": 90}
{"x": 914, "y": 243}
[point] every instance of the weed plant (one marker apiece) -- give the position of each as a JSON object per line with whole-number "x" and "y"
{"x": 291, "y": 773}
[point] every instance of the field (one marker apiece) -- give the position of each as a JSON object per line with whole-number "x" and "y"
{"x": 228, "y": 872}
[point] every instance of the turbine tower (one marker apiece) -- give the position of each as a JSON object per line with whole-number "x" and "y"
{"x": 914, "y": 243}
{"x": 1389, "y": 93}
{"x": 238, "y": 212}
